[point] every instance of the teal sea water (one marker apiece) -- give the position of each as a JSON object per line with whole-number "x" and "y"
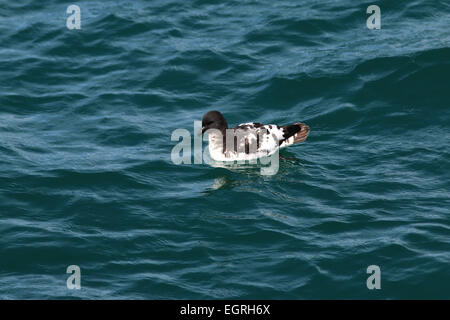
{"x": 86, "y": 176}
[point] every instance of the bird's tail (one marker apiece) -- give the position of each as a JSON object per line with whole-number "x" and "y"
{"x": 297, "y": 132}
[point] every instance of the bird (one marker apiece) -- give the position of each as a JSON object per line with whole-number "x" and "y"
{"x": 248, "y": 141}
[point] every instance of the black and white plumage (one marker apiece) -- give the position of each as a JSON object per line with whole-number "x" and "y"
{"x": 248, "y": 141}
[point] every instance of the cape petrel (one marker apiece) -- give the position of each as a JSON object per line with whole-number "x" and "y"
{"x": 248, "y": 141}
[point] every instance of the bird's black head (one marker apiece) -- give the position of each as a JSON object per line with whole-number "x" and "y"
{"x": 214, "y": 120}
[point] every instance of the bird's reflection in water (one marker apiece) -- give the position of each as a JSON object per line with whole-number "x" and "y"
{"x": 219, "y": 183}
{"x": 231, "y": 175}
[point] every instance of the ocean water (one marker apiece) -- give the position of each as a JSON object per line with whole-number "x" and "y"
{"x": 86, "y": 176}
